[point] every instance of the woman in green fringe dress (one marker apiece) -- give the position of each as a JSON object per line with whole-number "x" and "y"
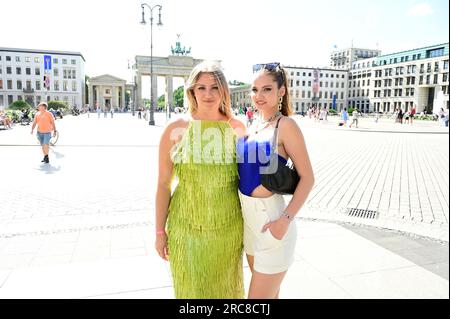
{"x": 199, "y": 226}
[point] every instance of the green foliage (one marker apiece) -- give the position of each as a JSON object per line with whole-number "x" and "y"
{"x": 332, "y": 111}
{"x": 161, "y": 102}
{"x": 19, "y": 105}
{"x": 350, "y": 110}
{"x": 57, "y": 105}
{"x": 178, "y": 97}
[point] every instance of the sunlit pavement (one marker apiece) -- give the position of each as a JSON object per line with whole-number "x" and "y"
{"x": 82, "y": 227}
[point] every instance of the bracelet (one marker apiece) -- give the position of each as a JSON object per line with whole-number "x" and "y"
{"x": 160, "y": 232}
{"x": 289, "y": 217}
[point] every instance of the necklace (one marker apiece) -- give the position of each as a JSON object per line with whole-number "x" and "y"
{"x": 266, "y": 123}
{"x": 270, "y": 119}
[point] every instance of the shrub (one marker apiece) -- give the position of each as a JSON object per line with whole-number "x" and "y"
{"x": 57, "y": 105}
{"x": 19, "y": 105}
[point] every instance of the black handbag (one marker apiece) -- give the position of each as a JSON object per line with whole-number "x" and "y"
{"x": 278, "y": 177}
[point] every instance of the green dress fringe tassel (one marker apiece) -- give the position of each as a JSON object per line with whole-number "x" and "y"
{"x": 205, "y": 226}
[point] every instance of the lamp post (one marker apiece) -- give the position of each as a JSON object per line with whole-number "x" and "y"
{"x": 152, "y": 120}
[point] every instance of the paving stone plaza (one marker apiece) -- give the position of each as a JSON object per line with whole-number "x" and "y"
{"x": 82, "y": 226}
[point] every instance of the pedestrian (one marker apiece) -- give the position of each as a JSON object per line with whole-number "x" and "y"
{"x": 411, "y": 115}
{"x": 442, "y": 116}
{"x": 325, "y": 114}
{"x": 344, "y": 117}
{"x": 99, "y": 111}
{"x": 400, "y": 116}
{"x": 270, "y": 233}
{"x": 112, "y": 112}
{"x": 45, "y": 123}
{"x": 250, "y": 115}
{"x": 355, "y": 118}
{"x": 139, "y": 112}
{"x": 199, "y": 226}
{"x": 105, "y": 111}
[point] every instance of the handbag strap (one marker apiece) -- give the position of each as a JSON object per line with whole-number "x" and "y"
{"x": 274, "y": 147}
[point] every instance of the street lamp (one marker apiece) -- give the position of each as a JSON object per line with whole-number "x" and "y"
{"x": 152, "y": 120}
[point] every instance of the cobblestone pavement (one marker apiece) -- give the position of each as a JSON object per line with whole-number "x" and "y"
{"x": 95, "y": 201}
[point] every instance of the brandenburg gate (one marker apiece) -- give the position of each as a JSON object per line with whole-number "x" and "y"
{"x": 176, "y": 65}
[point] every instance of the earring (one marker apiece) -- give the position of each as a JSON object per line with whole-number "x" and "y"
{"x": 222, "y": 107}
{"x": 280, "y": 104}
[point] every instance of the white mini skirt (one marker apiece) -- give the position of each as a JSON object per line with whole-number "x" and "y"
{"x": 271, "y": 255}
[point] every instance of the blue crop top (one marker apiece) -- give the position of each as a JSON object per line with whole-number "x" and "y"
{"x": 251, "y": 156}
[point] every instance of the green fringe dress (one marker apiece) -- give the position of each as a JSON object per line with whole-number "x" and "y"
{"x": 205, "y": 225}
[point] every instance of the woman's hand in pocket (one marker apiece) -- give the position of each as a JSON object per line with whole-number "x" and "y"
{"x": 277, "y": 228}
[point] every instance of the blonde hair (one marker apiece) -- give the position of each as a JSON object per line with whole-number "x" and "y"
{"x": 43, "y": 104}
{"x": 279, "y": 75}
{"x": 213, "y": 68}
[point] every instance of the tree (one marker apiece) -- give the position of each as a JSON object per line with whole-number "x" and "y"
{"x": 19, "y": 105}
{"x": 178, "y": 97}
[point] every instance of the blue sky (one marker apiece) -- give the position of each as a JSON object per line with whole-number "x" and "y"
{"x": 238, "y": 32}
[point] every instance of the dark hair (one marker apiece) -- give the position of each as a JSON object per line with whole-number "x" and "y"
{"x": 279, "y": 74}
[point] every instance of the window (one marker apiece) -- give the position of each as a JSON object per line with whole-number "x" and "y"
{"x": 64, "y": 85}
{"x": 297, "y": 83}
{"x": 55, "y": 61}
{"x": 446, "y": 65}
{"x": 8, "y": 58}
{"x": 74, "y": 62}
{"x": 27, "y": 59}
{"x": 435, "y": 53}
{"x": 435, "y": 79}
{"x": 37, "y": 71}
{"x": 8, "y": 70}
{"x": 19, "y": 84}
{"x": 17, "y": 58}
{"x": 18, "y": 70}
{"x": 1, "y": 85}
{"x": 9, "y": 85}
{"x": 37, "y": 60}
{"x": 55, "y": 72}
{"x": 74, "y": 86}
{"x": 445, "y": 77}
{"x": 28, "y": 85}
{"x": 28, "y": 71}
{"x": 64, "y": 61}
{"x": 56, "y": 85}
{"x": 38, "y": 85}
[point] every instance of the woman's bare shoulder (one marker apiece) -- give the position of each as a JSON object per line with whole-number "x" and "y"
{"x": 238, "y": 127}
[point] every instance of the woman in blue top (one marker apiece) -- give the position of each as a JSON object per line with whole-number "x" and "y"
{"x": 269, "y": 228}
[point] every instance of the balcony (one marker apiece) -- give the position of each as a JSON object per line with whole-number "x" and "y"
{"x": 28, "y": 90}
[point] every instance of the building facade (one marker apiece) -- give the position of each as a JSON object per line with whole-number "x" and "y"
{"x": 343, "y": 59}
{"x": 321, "y": 87}
{"x": 41, "y": 75}
{"x": 106, "y": 92}
{"x": 360, "y": 85}
{"x": 417, "y": 77}
{"x": 240, "y": 96}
